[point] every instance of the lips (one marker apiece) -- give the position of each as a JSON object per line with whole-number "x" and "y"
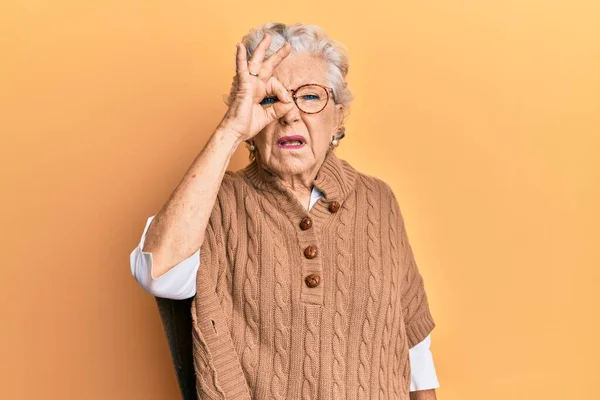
{"x": 291, "y": 142}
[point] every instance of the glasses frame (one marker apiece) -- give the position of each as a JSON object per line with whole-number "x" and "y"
{"x": 327, "y": 90}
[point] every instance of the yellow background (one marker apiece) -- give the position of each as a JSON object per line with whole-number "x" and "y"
{"x": 483, "y": 115}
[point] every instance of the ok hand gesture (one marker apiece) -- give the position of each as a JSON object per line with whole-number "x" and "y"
{"x": 246, "y": 115}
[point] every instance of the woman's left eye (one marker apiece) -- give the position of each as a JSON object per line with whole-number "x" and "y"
{"x": 268, "y": 100}
{"x": 310, "y": 97}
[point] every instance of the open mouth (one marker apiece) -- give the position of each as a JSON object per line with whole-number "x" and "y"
{"x": 291, "y": 142}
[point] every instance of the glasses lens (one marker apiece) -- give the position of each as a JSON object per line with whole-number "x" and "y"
{"x": 311, "y": 99}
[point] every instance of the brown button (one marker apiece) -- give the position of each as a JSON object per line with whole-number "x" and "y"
{"x": 306, "y": 223}
{"x": 310, "y": 252}
{"x": 334, "y": 206}
{"x": 312, "y": 280}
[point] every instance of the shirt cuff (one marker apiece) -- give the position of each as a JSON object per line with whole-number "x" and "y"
{"x": 178, "y": 283}
{"x": 423, "y": 375}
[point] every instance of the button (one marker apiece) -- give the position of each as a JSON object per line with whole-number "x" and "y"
{"x": 310, "y": 252}
{"x": 306, "y": 223}
{"x": 334, "y": 206}
{"x": 312, "y": 280}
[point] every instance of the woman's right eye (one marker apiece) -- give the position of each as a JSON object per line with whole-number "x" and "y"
{"x": 268, "y": 100}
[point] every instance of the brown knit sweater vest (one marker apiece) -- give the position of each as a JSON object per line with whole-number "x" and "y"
{"x": 289, "y": 307}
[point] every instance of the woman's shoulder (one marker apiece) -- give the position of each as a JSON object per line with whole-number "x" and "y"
{"x": 374, "y": 183}
{"x": 235, "y": 187}
{"x": 382, "y": 192}
{"x": 233, "y": 181}
{"x": 233, "y": 177}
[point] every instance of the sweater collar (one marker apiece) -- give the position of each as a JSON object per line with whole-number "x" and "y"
{"x": 335, "y": 178}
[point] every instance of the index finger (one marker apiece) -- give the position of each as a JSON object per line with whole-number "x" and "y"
{"x": 258, "y": 55}
{"x": 275, "y": 59}
{"x": 241, "y": 61}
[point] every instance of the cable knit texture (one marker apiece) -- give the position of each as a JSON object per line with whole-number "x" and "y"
{"x": 260, "y": 331}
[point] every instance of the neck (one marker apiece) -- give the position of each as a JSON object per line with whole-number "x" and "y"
{"x": 300, "y": 189}
{"x": 300, "y": 185}
{"x": 334, "y": 177}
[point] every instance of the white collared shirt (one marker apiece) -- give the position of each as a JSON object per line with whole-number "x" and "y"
{"x": 180, "y": 283}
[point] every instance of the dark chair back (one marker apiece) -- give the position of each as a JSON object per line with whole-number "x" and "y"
{"x": 177, "y": 323}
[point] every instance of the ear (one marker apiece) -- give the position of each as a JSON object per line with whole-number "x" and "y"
{"x": 339, "y": 110}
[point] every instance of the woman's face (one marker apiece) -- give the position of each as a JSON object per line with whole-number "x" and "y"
{"x": 316, "y": 130}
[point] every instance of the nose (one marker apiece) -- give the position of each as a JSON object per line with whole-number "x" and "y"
{"x": 291, "y": 116}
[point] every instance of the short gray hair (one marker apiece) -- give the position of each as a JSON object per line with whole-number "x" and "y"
{"x": 310, "y": 39}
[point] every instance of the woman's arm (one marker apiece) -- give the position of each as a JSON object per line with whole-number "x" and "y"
{"x": 177, "y": 284}
{"x": 177, "y": 230}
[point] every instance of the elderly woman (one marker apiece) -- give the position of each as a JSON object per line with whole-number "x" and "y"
{"x": 303, "y": 280}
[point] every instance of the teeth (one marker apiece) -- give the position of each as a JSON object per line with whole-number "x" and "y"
{"x": 292, "y": 143}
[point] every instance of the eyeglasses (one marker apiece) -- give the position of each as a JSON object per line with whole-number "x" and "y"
{"x": 311, "y": 98}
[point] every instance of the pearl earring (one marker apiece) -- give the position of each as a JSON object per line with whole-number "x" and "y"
{"x": 335, "y": 142}
{"x": 251, "y": 147}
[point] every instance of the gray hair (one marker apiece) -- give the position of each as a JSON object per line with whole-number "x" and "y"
{"x": 304, "y": 39}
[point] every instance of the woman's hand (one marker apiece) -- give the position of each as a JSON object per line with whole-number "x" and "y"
{"x": 246, "y": 117}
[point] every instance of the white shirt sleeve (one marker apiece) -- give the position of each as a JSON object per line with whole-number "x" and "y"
{"x": 178, "y": 283}
{"x": 423, "y": 375}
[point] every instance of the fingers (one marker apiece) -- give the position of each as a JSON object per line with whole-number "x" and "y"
{"x": 257, "y": 65}
{"x": 285, "y": 103}
{"x": 275, "y": 87}
{"x": 256, "y": 61}
{"x": 241, "y": 63}
{"x": 274, "y": 60}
